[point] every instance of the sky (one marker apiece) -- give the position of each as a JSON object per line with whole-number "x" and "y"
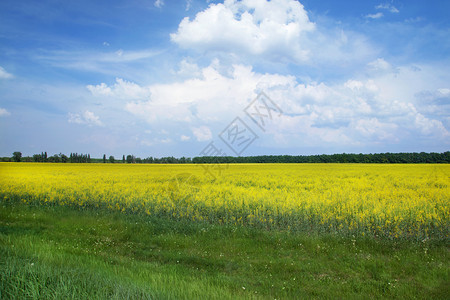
{"x": 251, "y": 77}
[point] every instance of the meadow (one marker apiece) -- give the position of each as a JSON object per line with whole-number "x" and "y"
{"x": 250, "y": 232}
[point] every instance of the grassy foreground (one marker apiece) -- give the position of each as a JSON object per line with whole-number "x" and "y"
{"x": 61, "y": 252}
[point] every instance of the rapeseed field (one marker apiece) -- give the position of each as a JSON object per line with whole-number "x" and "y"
{"x": 378, "y": 200}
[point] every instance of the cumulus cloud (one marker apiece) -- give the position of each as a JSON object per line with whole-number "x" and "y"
{"x": 188, "y": 69}
{"x": 373, "y": 129}
{"x": 202, "y": 133}
{"x": 4, "y": 74}
{"x": 86, "y": 118}
{"x": 255, "y": 27}
{"x": 430, "y": 127}
{"x": 269, "y": 31}
{"x": 380, "y": 65}
{"x": 121, "y": 89}
{"x": 4, "y": 112}
{"x": 100, "y": 89}
{"x": 211, "y": 96}
{"x": 388, "y": 105}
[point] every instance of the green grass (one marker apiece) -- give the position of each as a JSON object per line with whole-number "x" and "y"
{"x": 60, "y": 253}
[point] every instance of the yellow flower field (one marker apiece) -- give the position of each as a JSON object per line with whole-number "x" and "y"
{"x": 395, "y": 201}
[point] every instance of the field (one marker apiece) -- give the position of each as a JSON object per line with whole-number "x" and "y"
{"x": 392, "y": 201}
{"x": 283, "y": 230}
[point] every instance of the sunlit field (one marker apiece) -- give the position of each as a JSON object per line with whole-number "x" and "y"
{"x": 383, "y": 201}
{"x": 255, "y": 231}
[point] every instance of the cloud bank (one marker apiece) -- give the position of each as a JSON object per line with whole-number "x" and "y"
{"x": 382, "y": 108}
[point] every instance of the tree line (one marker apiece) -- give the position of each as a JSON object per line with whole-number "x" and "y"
{"x": 392, "y": 158}
{"x": 43, "y": 157}
{"x": 86, "y": 158}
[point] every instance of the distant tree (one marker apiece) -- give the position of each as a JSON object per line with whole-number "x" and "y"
{"x": 104, "y": 158}
{"x": 123, "y": 159}
{"x": 129, "y": 159}
{"x": 148, "y": 160}
{"x": 17, "y": 156}
{"x": 63, "y": 158}
{"x": 111, "y": 159}
{"x": 37, "y": 158}
{"x": 54, "y": 159}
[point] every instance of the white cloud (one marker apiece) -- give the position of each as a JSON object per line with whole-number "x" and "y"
{"x": 375, "y": 16}
{"x": 255, "y": 27}
{"x": 354, "y": 84}
{"x": 4, "y": 112}
{"x": 380, "y": 107}
{"x": 122, "y": 89}
{"x": 214, "y": 95}
{"x": 4, "y": 74}
{"x": 155, "y": 141}
{"x": 86, "y": 118}
{"x": 444, "y": 91}
{"x": 202, "y": 133}
{"x": 185, "y": 137}
{"x": 380, "y": 65}
{"x": 388, "y": 7}
{"x": 187, "y": 69}
{"x": 188, "y": 4}
{"x": 372, "y": 128}
{"x": 108, "y": 62}
{"x": 100, "y": 89}
{"x": 277, "y": 31}
{"x": 66, "y": 58}
{"x": 159, "y": 3}
{"x": 430, "y": 127}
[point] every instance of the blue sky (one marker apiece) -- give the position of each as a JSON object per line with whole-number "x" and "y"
{"x": 162, "y": 78}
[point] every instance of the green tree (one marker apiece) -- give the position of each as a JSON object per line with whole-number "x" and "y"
{"x": 17, "y": 156}
{"x": 111, "y": 159}
{"x": 123, "y": 159}
{"x": 63, "y": 157}
{"x": 104, "y": 158}
{"x": 129, "y": 159}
